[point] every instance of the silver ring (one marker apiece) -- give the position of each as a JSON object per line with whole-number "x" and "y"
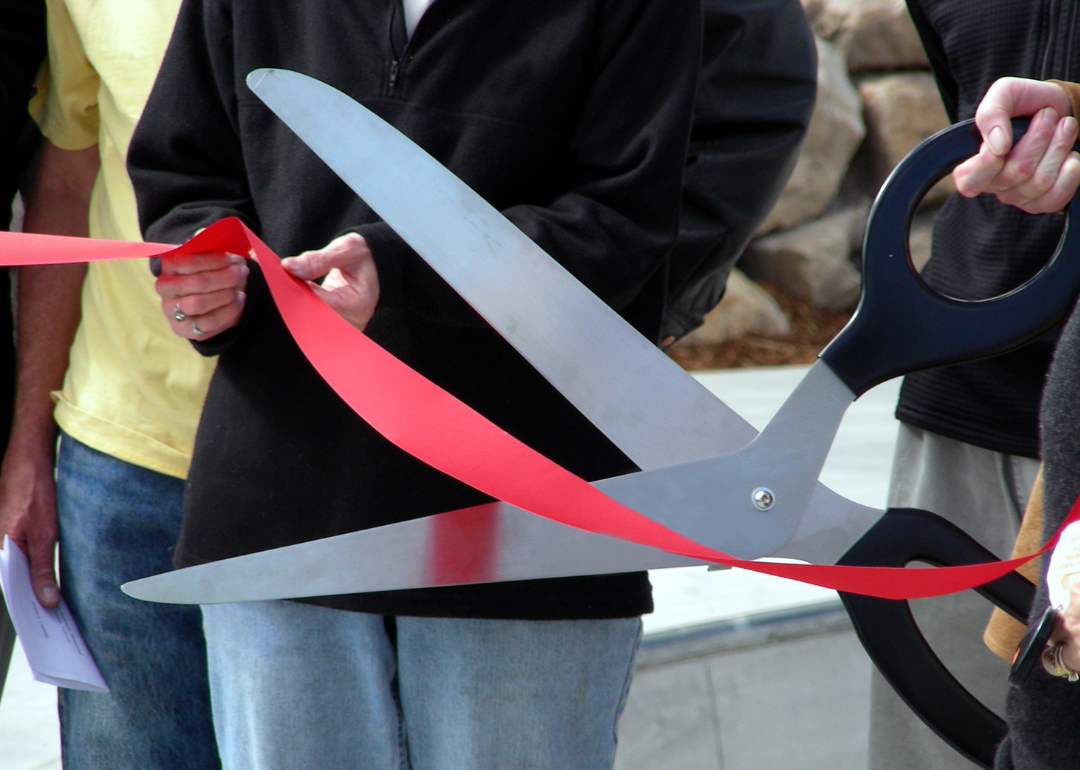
{"x": 179, "y": 314}
{"x": 1061, "y": 668}
{"x": 196, "y": 330}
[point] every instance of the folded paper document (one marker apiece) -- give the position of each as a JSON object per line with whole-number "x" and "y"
{"x": 53, "y": 645}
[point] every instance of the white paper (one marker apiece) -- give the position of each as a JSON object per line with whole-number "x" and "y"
{"x": 1064, "y": 562}
{"x": 50, "y": 639}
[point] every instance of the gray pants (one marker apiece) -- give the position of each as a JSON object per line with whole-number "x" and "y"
{"x": 984, "y": 493}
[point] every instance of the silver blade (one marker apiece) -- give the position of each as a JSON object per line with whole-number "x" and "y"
{"x": 513, "y": 545}
{"x": 412, "y": 554}
{"x": 637, "y": 396}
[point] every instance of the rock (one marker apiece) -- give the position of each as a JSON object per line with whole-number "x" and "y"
{"x": 872, "y": 34}
{"x": 745, "y": 309}
{"x": 812, "y": 261}
{"x": 835, "y": 132}
{"x": 901, "y": 110}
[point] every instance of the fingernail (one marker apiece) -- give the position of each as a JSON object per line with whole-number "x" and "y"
{"x": 241, "y": 296}
{"x": 996, "y": 140}
{"x": 236, "y": 259}
{"x": 48, "y": 594}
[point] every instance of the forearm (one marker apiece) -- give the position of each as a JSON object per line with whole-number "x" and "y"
{"x": 48, "y": 296}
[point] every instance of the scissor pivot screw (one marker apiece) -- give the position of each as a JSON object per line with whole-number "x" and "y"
{"x": 763, "y": 498}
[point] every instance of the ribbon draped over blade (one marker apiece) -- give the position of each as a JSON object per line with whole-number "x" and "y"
{"x": 434, "y": 426}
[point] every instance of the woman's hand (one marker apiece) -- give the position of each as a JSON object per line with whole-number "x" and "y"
{"x": 352, "y": 283}
{"x": 1041, "y": 172}
{"x": 202, "y": 295}
{"x": 1067, "y": 633}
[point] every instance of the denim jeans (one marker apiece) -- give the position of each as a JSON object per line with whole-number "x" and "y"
{"x": 119, "y": 522}
{"x": 297, "y": 686}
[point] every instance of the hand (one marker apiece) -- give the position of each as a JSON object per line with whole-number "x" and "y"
{"x": 1041, "y": 173}
{"x": 1067, "y": 632}
{"x": 28, "y": 515}
{"x": 202, "y": 295}
{"x": 352, "y": 283}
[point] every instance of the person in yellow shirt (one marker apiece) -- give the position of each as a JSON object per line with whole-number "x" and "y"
{"x": 97, "y": 359}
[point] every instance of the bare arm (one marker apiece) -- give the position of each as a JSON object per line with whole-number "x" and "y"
{"x": 47, "y": 314}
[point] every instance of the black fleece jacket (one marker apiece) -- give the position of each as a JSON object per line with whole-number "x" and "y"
{"x": 571, "y": 116}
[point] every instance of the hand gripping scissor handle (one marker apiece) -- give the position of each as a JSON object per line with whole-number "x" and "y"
{"x": 902, "y": 325}
{"x": 893, "y": 641}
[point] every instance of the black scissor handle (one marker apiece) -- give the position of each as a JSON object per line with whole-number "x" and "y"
{"x": 893, "y": 641}
{"x": 902, "y": 325}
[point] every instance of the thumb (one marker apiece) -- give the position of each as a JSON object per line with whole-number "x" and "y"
{"x": 312, "y": 265}
{"x": 43, "y": 574}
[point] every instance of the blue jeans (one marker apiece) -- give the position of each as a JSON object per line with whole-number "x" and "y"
{"x": 119, "y": 522}
{"x": 297, "y": 686}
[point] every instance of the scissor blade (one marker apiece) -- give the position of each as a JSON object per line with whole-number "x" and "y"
{"x": 488, "y": 543}
{"x": 651, "y": 409}
{"x": 637, "y": 396}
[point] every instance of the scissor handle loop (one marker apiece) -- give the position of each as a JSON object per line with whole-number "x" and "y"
{"x": 894, "y": 642}
{"x": 901, "y": 324}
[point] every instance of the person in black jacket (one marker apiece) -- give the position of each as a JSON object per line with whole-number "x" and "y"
{"x": 572, "y": 118}
{"x": 968, "y": 441}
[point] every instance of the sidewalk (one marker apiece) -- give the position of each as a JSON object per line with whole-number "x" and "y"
{"x": 738, "y": 671}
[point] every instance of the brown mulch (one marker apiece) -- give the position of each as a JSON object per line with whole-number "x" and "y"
{"x": 810, "y": 331}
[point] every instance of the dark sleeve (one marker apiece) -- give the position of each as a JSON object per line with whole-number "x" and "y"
{"x": 935, "y": 52}
{"x": 185, "y": 158}
{"x": 754, "y": 101}
{"x": 1042, "y": 714}
{"x": 22, "y": 48}
{"x": 615, "y": 223}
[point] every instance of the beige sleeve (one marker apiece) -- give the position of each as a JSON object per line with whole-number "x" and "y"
{"x": 1003, "y": 632}
{"x": 1073, "y": 92}
{"x": 68, "y": 112}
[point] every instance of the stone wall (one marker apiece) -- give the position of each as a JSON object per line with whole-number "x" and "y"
{"x": 876, "y": 101}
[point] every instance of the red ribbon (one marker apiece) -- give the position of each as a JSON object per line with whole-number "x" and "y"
{"x": 434, "y": 426}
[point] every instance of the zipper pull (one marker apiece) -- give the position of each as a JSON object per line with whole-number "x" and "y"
{"x": 393, "y": 73}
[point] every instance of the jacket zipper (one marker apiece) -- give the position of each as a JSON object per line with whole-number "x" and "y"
{"x": 394, "y": 66}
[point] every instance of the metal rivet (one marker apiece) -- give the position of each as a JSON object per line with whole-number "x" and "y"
{"x": 763, "y": 498}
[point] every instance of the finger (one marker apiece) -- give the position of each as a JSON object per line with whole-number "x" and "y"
{"x": 356, "y": 307}
{"x": 1065, "y": 186}
{"x": 1015, "y": 97}
{"x": 187, "y": 264}
{"x": 194, "y": 305}
{"x": 974, "y": 175}
{"x": 342, "y": 252}
{"x": 178, "y": 285}
{"x": 1026, "y": 155}
{"x": 1050, "y": 166}
{"x": 208, "y": 325}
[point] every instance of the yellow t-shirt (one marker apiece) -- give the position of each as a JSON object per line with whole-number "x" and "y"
{"x": 133, "y": 389}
